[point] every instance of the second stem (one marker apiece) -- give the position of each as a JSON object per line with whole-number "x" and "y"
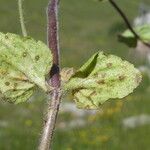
{"x": 54, "y": 81}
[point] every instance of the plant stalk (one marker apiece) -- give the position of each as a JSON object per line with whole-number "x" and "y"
{"x": 54, "y": 81}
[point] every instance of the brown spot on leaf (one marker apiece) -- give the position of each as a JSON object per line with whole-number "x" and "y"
{"x": 37, "y": 57}
{"x": 24, "y": 54}
{"x": 93, "y": 93}
{"x": 109, "y": 65}
{"x": 6, "y": 37}
{"x": 3, "y": 72}
{"x": 101, "y": 82}
{"x": 121, "y": 78}
{"x": 7, "y": 83}
{"x": 138, "y": 78}
{"x": 76, "y": 90}
{"x": 87, "y": 107}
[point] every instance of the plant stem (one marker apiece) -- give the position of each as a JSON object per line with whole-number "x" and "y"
{"x": 22, "y": 23}
{"x": 53, "y": 108}
{"x": 129, "y": 26}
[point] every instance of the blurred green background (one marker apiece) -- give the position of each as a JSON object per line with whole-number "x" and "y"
{"x": 86, "y": 26}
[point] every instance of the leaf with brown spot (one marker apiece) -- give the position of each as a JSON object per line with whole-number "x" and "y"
{"x": 102, "y": 78}
{"x": 24, "y": 64}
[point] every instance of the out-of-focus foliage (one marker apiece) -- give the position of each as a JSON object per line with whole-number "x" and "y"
{"x": 128, "y": 37}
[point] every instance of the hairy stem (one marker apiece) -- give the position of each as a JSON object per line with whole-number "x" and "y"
{"x": 53, "y": 108}
{"x": 129, "y": 26}
{"x": 22, "y": 23}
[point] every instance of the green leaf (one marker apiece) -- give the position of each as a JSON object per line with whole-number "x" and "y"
{"x": 128, "y": 38}
{"x": 101, "y": 78}
{"x": 24, "y": 63}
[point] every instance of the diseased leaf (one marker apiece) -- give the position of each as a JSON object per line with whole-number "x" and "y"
{"x": 128, "y": 38}
{"x": 101, "y": 78}
{"x": 14, "y": 85}
{"x": 24, "y": 63}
